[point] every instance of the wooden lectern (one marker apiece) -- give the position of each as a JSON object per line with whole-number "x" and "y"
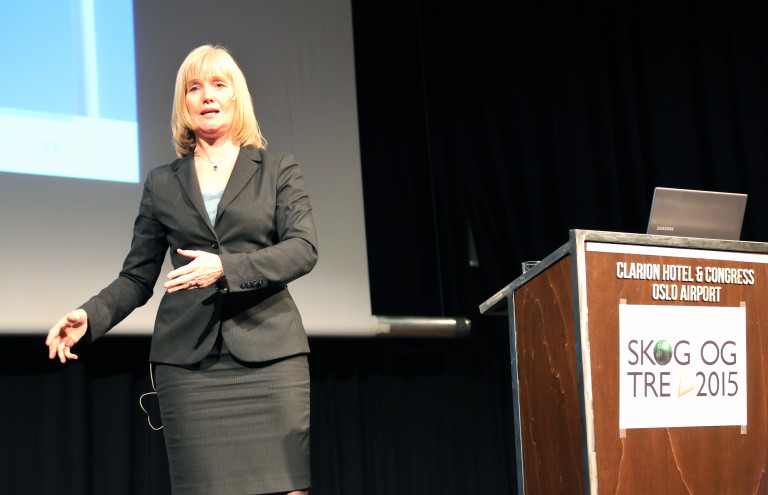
{"x": 640, "y": 366}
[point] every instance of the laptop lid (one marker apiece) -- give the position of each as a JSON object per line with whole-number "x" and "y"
{"x": 689, "y": 213}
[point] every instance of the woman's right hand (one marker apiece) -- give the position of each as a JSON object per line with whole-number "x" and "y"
{"x": 65, "y": 334}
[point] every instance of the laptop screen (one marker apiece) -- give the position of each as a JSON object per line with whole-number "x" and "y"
{"x": 689, "y": 213}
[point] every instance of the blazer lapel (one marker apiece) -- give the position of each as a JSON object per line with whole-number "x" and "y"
{"x": 188, "y": 178}
{"x": 246, "y": 165}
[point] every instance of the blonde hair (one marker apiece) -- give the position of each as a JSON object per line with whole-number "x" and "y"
{"x": 201, "y": 63}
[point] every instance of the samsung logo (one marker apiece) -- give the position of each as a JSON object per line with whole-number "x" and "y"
{"x": 662, "y": 227}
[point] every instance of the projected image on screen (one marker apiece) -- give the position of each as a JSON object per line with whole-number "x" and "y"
{"x": 68, "y": 95}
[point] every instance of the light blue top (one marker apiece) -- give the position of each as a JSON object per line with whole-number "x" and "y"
{"x": 212, "y": 204}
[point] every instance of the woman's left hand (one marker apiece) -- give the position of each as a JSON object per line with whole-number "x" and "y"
{"x": 204, "y": 270}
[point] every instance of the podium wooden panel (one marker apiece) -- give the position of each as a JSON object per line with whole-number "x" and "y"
{"x": 564, "y": 342}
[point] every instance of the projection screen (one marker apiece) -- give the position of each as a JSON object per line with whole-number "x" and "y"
{"x": 85, "y": 114}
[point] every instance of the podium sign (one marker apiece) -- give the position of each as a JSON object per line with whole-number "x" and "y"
{"x": 640, "y": 365}
{"x": 682, "y": 366}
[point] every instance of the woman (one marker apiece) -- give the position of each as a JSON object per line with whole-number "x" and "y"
{"x": 228, "y": 349}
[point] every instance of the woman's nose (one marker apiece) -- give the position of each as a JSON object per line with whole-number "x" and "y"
{"x": 206, "y": 93}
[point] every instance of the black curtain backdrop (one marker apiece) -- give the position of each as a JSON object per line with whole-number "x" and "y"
{"x": 487, "y": 130}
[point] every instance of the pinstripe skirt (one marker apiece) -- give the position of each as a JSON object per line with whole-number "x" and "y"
{"x": 236, "y": 428}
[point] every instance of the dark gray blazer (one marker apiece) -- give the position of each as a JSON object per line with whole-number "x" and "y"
{"x": 265, "y": 236}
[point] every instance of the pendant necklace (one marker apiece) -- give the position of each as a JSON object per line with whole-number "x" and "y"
{"x": 216, "y": 164}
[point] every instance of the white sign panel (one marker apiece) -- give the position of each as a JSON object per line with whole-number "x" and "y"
{"x": 682, "y": 366}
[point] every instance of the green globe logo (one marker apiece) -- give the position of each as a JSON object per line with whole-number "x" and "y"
{"x": 663, "y": 352}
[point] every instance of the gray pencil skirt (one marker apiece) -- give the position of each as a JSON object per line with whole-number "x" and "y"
{"x": 236, "y": 428}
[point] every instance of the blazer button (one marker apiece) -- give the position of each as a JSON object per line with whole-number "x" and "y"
{"x": 243, "y": 285}
{"x": 215, "y": 245}
{"x": 259, "y": 283}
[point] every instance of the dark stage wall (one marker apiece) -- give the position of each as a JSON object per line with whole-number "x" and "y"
{"x": 487, "y": 131}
